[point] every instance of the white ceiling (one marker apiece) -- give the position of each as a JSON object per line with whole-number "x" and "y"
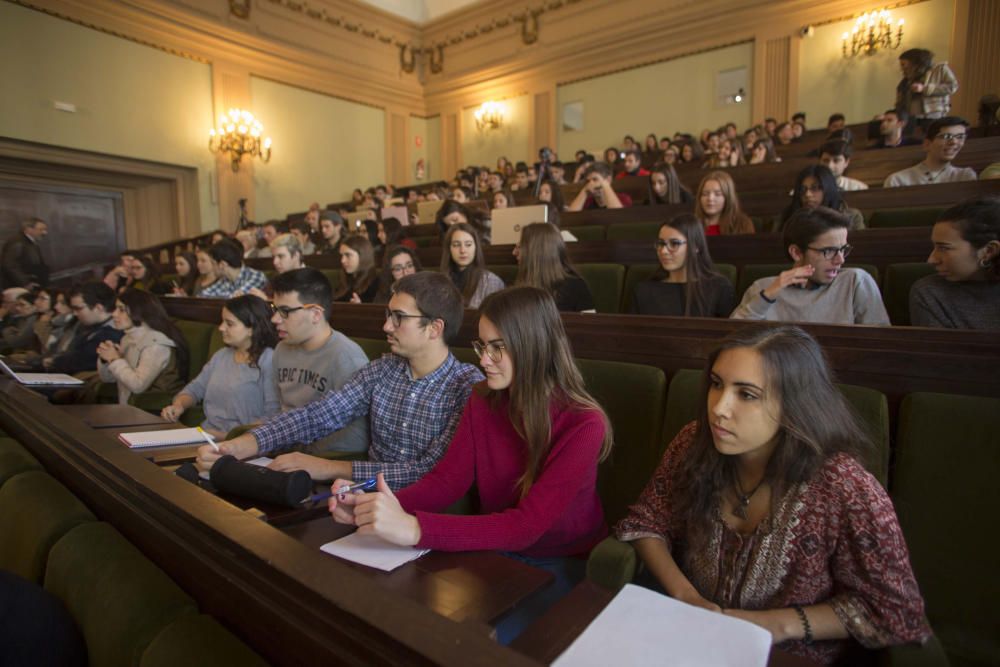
{"x": 420, "y": 11}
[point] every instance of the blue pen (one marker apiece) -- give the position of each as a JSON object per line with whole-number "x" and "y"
{"x": 361, "y": 486}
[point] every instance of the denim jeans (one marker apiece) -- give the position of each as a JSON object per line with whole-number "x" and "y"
{"x": 568, "y": 573}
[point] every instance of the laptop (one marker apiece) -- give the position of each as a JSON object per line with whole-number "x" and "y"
{"x": 508, "y": 222}
{"x": 39, "y": 379}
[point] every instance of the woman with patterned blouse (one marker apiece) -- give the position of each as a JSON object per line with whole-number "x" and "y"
{"x": 760, "y": 509}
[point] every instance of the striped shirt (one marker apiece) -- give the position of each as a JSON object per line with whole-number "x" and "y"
{"x": 411, "y": 420}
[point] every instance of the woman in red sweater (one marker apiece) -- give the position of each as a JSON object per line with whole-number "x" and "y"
{"x": 530, "y": 440}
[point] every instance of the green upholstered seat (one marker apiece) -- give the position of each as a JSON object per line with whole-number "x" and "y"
{"x": 427, "y": 241}
{"x": 35, "y": 511}
{"x": 588, "y": 232}
{"x": 373, "y": 347}
{"x": 121, "y": 601}
{"x": 333, "y": 275}
{"x": 904, "y": 217}
{"x": 197, "y": 639}
{"x": 633, "y": 396}
{"x": 752, "y": 272}
{"x": 214, "y": 343}
{"x": 632, "y": 231}
{"x": 506, "y": 272}
{"x": 944, "y": 486}
{"x": 15, "y": 459}
{"x": 605, "y": 282}
{"x": 899, "y": 278}
{"x": 466, "y": 355}
{"x": 199, "y": 338}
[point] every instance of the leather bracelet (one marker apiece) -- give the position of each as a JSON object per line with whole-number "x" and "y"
{"x": 764, "y": 296}
{"x": 808, "y": 633}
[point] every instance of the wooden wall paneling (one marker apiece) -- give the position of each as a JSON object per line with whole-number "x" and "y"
{"x": 451, "y": 143}
{"x": 543, "y": 121}
{"x": 397, "y": 147}
{"x": 231, "y": 89}
{"x": 776, "y": 73}
{"x": 976, "y": 54}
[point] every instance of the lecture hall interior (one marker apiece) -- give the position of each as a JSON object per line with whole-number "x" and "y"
{"x": 110, "y": 120}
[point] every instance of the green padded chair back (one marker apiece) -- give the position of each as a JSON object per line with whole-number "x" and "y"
{"x": 466, "y": 355}
{"x": 199, "y": 639}
{"x": 632, "y": 395}
{"x": 605, "y": 282}
{"x": 373, "y": 347}
{"x": 199, "y": 338}
{"x": 633, "y": 231}
{"x": 426, "y": 241}
{"x": 945, "y": 489}
{"x": 728, "y": 270}
{"x": 899, "y": 278}
{"x": 35, "y": 511}
{"x": 121, "y": 601}
{"x": 506, "y": 272}
{"x": 588, "y": 232}
{"x": 14, "y": 459}
{"x": 871, "y": 407}
{"x": 215, "y": 343}
{"x": 333, "y": 275}
{"x": 904, "y": 217}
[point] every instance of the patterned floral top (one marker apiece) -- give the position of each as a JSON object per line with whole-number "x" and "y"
{"x": 834, "y": 539}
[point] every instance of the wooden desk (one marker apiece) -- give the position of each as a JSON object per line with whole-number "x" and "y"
{"x": 550, "y": 635}
{"x": 114, "y": 416}
{"x": 477, "y": 586}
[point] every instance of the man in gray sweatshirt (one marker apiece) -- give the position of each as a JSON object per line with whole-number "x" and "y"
{"x": 817, "y": 288}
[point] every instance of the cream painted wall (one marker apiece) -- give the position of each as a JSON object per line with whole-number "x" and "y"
{"x": 863, "y": 86}
{"x": 429, "y": 131}
{"x": 324, "y": 147}
{"x": 132, "y": 100}
{"x": 677, "y": 95}
{"x": 512, "y": 140}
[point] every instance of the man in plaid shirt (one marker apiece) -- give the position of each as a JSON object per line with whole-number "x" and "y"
{"x": 413, "y": 397}
{"x": 236, "y": 279}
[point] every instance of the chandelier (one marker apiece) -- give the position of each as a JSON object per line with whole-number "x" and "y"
{"x": 238, "y": 134}
{"x": 489, "y": 116}
{"x": 872, "y": 31}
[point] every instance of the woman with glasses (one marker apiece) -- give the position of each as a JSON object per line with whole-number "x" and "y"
{"x": 542, "y": 262}
{"x": 399, "y": 261}
{"x": 817, "y": 186}
{"x": 237, "y": 385}
{"x": 463, "y": 261}
{"x": 152, "y": 355}
{"x": 685, "y": 283}
{"x": 761, "y": 508}
{"x": 529, "y": 442}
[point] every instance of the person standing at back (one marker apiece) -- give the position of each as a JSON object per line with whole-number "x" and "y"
{"x": 925, "y": 90}
{"x": 22, "y": 263}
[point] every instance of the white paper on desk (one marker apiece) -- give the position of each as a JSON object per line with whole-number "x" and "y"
{"x": 262, "y": 461}
{"x": 642, "y": 627}
{"x": 373, "y": 551}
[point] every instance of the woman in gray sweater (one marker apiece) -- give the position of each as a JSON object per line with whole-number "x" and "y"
{"x": 237, "y": 384}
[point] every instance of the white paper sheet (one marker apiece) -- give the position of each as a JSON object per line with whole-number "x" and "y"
{"x": 642, "y": 627}
{"x": 262, "y": 461}
{"x": 372, "y": 551}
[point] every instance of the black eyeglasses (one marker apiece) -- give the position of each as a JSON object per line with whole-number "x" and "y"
{"x": 286, "y": 311}
{"x": 399, "y": 268}
{"x": 829, "y": 253}
{"x": 493, "y": 349}
{"x": 673, "y": 244}
{"x": 397, "y": 317}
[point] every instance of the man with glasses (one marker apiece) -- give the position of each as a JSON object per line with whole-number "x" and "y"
{"x": 413, "y": 398}
{"x": 817, "y": 288}
{"x": 92, "y": 304}
{"x": 944, "y": 140}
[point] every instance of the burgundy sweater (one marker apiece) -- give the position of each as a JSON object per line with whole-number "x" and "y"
{"x": 560, "y": 515}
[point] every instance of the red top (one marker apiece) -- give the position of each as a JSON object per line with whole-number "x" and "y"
{"x": 641, "y": 172}
{"x": 713, "y": 230}
{"x": 561, "y": 514}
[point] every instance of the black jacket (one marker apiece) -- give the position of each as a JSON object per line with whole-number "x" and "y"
{"x": 23, "y": 263}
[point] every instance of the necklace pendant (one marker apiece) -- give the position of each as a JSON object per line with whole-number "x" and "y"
{"x": 740, "y": 510}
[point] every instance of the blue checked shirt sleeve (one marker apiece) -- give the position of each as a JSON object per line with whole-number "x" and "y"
{"x": 401, "y": 474}
{"x": 250, "y": 279}
{"x": 220, "y": 289}
{"x": 320, "y": 418}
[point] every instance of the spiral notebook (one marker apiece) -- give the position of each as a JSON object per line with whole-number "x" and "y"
{"x": 166, "y": 438}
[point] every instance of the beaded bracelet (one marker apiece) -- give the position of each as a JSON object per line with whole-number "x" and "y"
{"x": 808, "y": 636}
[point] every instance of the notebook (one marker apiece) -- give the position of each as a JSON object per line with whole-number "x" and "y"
{"x": 508, "y": 222}
{"x": 39, "y": 379}
{"x": 373, "y": 551}
{"x": 642, "y": 627}
{"x": 165, "y": 438}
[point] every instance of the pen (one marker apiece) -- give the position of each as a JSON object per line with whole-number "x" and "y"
{"x": 208, "y": 438}
{"x": 362, "y": 486}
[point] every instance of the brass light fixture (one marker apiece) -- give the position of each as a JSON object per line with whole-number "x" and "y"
{"x": 239, "y": 134}
{"x": 489, "y": 116}
{"x": 872, "y": 31}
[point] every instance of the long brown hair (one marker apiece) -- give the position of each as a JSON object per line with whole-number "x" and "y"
{"x": 698, "y": 265}
{"x": 732, "y": 220}
{"x": 466, "y": 280}
{"x": 145, "y": 309}
{"x": 815, "y": 423}
{"x": 544, "y": 263}
{"x": 366, "y": 273}
{"x": 544, "y": 371}
{"x": 674, "y": 186}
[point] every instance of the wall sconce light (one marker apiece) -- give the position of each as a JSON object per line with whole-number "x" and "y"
{"x": 489, "y": 116}
{"x": 872, "y": 31}
{"x": 239, "y": 134}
